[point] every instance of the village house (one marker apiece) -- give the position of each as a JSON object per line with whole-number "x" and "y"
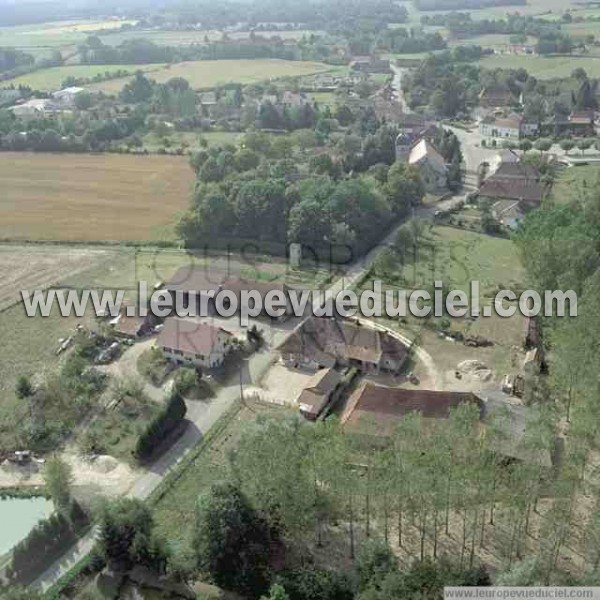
{"x": 36, "y": 108}
{"x": 318, "y": 393}
{"x": 515, "y": 181}
{"x": 293, "y": 99}
{"x": 190, "y": 342}
{"x": 424, "y": 156}
{"x": 513, "y": 127}
{"x": 329, "y": 342}
{"x": 197, "y": 287}
{"x": 66, "y": 98}
{"x": 497, "y": 97}
{"x": 132, "y": 326}
{"x": 578, "y": 124}
{"x": 370, "y": 64}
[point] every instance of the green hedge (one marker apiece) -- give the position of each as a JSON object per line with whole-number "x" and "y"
{"x": 160, "y": 427}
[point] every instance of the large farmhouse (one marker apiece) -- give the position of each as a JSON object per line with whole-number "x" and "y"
{"x": 325, "y": 343}
{"x": 198, "y": 286}
{"x": 189, "y": 342}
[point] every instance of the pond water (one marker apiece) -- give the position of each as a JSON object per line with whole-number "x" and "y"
{"x": 18, "y": 516}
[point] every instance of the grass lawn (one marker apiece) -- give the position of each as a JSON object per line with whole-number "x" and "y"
{"x": 81, "y": 197}
{"x": 212, "y": 73}
{"x": 458, "y": 256}
{"x": 544, "y": 67}
{"x": 51, "y": 79}
{"x": 574, "y": 182}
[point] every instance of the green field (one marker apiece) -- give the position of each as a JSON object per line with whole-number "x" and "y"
{"x": 497, "y": 41}
{"x": 575, "y": 182}
{"x": 580, "y": 30}
{"x": 544, "y": 67}
{"x": 51, "y": 79}
{"x": 183, "y": 38}
{"x": 63, "y": 35}
{"x": 212, "y": 73}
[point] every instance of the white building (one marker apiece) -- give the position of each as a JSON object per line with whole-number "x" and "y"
{"x": 67, "y": 96}
{"x": 189, "y": 342}
{"x": 512, "y": 127}
{"x": 431, "y": 165}
{"x": 32, "y": 109}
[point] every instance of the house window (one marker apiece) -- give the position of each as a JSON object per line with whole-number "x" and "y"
{"x": 200, "y": 356}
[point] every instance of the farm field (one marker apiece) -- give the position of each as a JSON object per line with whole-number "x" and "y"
{"x": 51, "y": 79}
{"x": 213, "y": 73}
{"x": 498, "y": 41}
{"x": 92, "y": 198}
{"x": 39, "y": 39}
{"x": 544, "y": 67}
{"x": 37, "y": 266}
{"x": 574, "y": 182}
{"x": 533, "y": 7}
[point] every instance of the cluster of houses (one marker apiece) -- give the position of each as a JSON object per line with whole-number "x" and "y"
{"x": 334, "y": 352}
{"x": 58, "y": 102}
{"x": 497, "y": 119}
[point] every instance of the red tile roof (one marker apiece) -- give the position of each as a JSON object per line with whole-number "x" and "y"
{"x": 383, "y": 407}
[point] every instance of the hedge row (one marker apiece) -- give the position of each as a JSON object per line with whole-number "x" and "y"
{"x": 160, "y": 427}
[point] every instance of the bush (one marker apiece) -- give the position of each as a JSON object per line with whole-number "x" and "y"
{"x": 185, "y": 380}
{"x": 152, "y": 365}
{"x": 160, "y": 427}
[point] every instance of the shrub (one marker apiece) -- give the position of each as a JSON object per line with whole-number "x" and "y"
{"x": 161, "y": 426}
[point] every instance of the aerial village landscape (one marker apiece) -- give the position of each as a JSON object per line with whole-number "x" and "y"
{"x": 277, "y": 148}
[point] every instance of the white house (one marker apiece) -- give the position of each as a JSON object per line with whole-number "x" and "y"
{"x": 189, "y": 342}
{"x": 32, "y": 109}
{"x": 431, "y": 165}
{"x": 512, "y": 127}
{"x": 66, "y": 97}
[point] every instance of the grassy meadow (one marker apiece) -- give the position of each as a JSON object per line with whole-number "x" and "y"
{"x": 212, "y": 73}
{"x": 575, "y": 182}
{"x": 82, "y": 197}
{"x": 544, "y": 67}
{"x": 51, "y": 79}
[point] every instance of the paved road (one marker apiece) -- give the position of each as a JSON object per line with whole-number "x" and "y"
{"x": 397, "y": 87}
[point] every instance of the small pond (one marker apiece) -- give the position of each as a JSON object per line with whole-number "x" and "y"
{"x": 18, "y": 516}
